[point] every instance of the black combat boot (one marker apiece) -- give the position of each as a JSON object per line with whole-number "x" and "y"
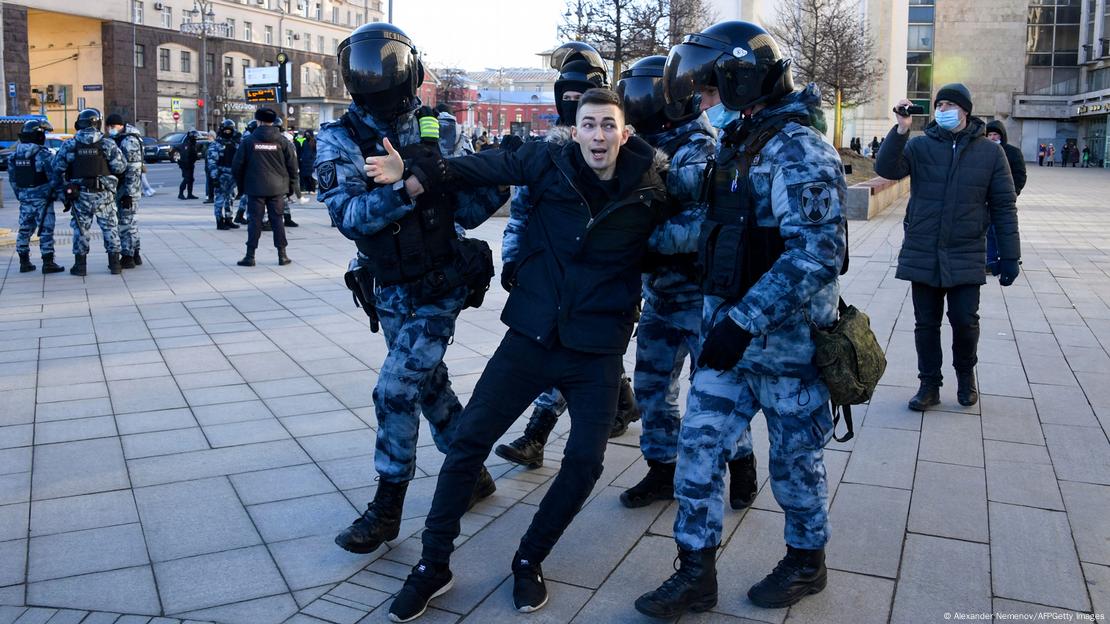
{"x": 231, "y": 225}
{"x": 380, "y": 522}
{"x": 282, "y": 258}
{"x": 266, "y": 227}
{"x": 966, "y": 391}
{"x": 692, "y": 588}
{"x": 127, "y": 262}
{"x": 289, "y": 222}
{"x": 113, "y": 263}
{"x": 25, "y": 265}
{"x": 628, "y": 411}
{"x": 138, "y": 259}
{"x": 248, "y": 260}
{"x": 48, "y": 265}
{"x": 221, "y": 224}
{"x": 527, "y": 450}
{"x": 799, "y": 574}
{"x": 483, "y": 488}
{"x": 928, "y": 395}
{"x": 742, "y": 484}
{"x": 239, "y": 217}
{"x": 658, "y": 484}
{"x": 78, "y": 267}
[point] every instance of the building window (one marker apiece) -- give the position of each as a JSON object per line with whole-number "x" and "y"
{"x": 348, "y": 17}
{"x": 308, "y": 42}
{"x": 231, "y": 27}
{"x": 164, "y": 59}
{"x": 167, "y": 17}
{"x": 288, "y": 38}
{"x": 246, "y": 66}
{"x": 269, "y": 35}
{"x": 335, "y": 46}
{"x": 358, "y": 19}
{"x": 186, "y": 62}
{"x": 229, "y": 67}
{"x": 919, "y": 53}
{"x": 137, "y": 12}
{"x": 140, "y": 55}
{"x": 1052, "y": 47}
{"x": 334, "y": 78}
{"x": 248, "y": 31}
{"x": 335, "y": 15}
{"x": 210, "y": 64}
{"x": 319, "y": 11}
{"x": 320, "y": 44}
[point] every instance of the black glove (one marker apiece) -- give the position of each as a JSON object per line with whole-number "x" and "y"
{"x": 724, "y": 346}
{"x": 1008, "y": 271}
{"x": 511, "y": 143}
{"x": 70, "y": 195}
{"x": 126, "y": 202}
{"x": 431, "y": 172}
{"x": 508, "y": 275}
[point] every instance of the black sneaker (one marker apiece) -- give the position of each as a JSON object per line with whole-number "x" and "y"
{"x": 529, "y": 590}
{"x": 426, "y": 581}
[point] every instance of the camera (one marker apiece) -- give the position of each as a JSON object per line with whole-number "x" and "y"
{"x": 906, "y": 111}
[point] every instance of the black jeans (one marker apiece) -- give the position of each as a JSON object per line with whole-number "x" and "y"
{"x": 186, "y": 181}
{"x": 963, "y": 315}
{"x": 256, "y": 206}
{"x": 519, "y": 370}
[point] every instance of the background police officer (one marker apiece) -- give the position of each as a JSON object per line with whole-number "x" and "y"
{"x": 670, "y": 321}
{"x": 778, "y": 186}
{"x": 85, "y": 170}
{"x": 187, "y": 151}
{"x": 221, "y": 153}
{"x": 265, "y": 169}
{"x": 130, "y": 143}
{"x": 29, "y": 175}
{"x": 241, "y": 212}
{"x": 405, "y": 245}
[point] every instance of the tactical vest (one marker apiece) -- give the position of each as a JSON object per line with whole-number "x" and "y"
{"x": 417, "y": 244}
{"x": 24, "y": 174}
{"x": 733, "y": 250}
{"x": 227, "y": 154}
{"x": 89, "y": 161}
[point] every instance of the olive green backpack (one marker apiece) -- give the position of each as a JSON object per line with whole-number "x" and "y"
{"x": 850, "y": 361}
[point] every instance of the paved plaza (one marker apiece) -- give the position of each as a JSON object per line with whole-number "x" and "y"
{"x": 184, "y": 441}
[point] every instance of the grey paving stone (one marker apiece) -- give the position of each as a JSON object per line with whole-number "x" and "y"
{"x": 195, "y": 359}
{"x": 269, "y": 610}
{"x": 193, "y": 518}
{"x": 1015, "y": 610}
{"x": 949, "y": 501}
{"x": 323, "y": 514}
{"x": 305, "y": 597}
{"x": 303, "y": 404}
{"x": 337, "y": 613}
{"x": 379, "y": 582}
{"x": 133, "y": 619}
{"x": 314, "y": 561}
{"x": 76, "y": 429}
{"x": 286, "y": 387}
{"x": 250, "y": 432}
{"x": 265, "y": 486}
{"x": 951, "y": 439}
{"x": 1004, "y": 380}
{"x": 1079, "y": 453}
{"x": 192, "y": 381}
{"x": 81, "y": 467}
{"x": 10, "y": 596}
{"x": 231, "y": 412}
{"x": 163, "y": 442}
{"x": 13, "y": 521}
{"x": 1063, "y": 405}
{"x": 1033, "y": 557}
{"x": 36, "y": 615}
{"x": 202, "y": 464}
{"x": 1088, "y": 508}
{"x": 1098, "y": 582}
{"x": 15, "y": 460}
{"x": 870, "y": 523}
{"x": 68, "y": 616}
{"x": 13, "y": 436}
{"x": 130, "y": 590}
{"x": 77, "y": 513}
{"x": 338, "y": 445}
{"x": 1010, "y": 419}
{"x": 162, "y": 420}
{"x": 82, "y": 552}
{"x": 327, "y": 422}
{"x": 365, "y": 596}
{"x": 353, "y": 388}
{"x": 942, "y": 576}
{"x": 848, "y": 598}
{"x": 71, "y": 370}
{"x": 215, "y": 579}
{"x": 265, "y": 366}
{"x": 19, "y": 406}
{"x": 13, "y": 561}
{"x": 883, "y": 457}
{"x": 645, "y": 568}
{"x": 79, "y": 408}
{"x": 144, "y": 395}
{"x": 15, "y": 488}
{"x": 100, "y": 617}
{"x": 358, "y": 472}
{"x": 1023, "y": 483}
{"x": 219, "y": 394}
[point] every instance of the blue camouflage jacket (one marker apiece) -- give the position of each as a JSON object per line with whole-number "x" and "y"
{"x": 117, "y": 165}
{"x": 212, "y": 156}
{"x": 43, "y": 156}
{"x": 798, "y": 184}
{"x": 361, "y": 208}
{"x": 131, "y": 145}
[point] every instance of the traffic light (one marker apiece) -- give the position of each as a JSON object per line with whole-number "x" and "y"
{"x": 200, "y": 103}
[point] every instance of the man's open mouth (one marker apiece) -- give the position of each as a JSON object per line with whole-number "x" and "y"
{"x": 598, "y": 153}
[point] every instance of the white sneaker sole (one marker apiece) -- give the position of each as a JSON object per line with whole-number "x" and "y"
{"x": 530, "y": 609}
{"x": 442, "y": 590}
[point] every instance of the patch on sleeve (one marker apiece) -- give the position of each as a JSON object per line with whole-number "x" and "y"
{"x": 326, "y": 175}
{"x": 815, "y": 200}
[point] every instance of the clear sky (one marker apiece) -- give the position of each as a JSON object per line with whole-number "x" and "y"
{"x": 476, "y": 34}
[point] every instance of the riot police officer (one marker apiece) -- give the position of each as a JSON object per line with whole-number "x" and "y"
{"x": 221, "y": 153}
{"x": 286, "y": 210}
{"x": 29, "y": 175}
{"x": 187, "y": 153}
{"x": 670, "y": 322}
{"x": 779, "y": 187}
{"x": 85, "y": 170}
{"x": 407, "y": 262}
{"x": 241, "y": 211}
{"x": 130, "y": 143}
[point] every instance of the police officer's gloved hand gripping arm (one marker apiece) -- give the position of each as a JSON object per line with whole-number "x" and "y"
{"x": 490, "y": 168}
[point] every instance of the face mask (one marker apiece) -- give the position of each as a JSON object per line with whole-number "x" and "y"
{"x": 948, "y": 119}
{"x": 569, "y": 115}
{"x": 112, "y": 132}
{"x": 720, "y": 116}
{"x": 997, "y": 141}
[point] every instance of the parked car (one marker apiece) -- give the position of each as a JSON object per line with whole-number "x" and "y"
{"x": 166, "y": 147}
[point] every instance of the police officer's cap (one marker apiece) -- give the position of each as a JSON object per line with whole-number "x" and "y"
{"x": 741, "y": 59}
{"x": 381, "y": 69}
{"x": 115, "y": 119}
{"x": 641, "y": 90}
{"x": 88, "y": 118}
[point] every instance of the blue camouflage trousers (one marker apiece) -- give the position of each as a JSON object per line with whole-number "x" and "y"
{"x": 224, "y": 195}
{"x": 665, "y": 336}
{"x": 553, "y": 401}
{"x": 32, "y": 214}
{"x": 799, "y": 424}
{"x": 413, "y": 380}
{"x": 128, "y": 230}
{"x": 99, "y": 205}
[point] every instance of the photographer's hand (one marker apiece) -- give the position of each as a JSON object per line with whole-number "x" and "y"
{"x": 904, "y": 123}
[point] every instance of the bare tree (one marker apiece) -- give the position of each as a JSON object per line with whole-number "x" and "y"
{"x": 831, "y": 44}
{"x": 452, "y": 87}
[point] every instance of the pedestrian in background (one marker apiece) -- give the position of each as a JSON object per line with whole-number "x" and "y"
{"x": 996, "y": 131}
{"x": 306, "y": 157}
{"x": 265, "y": 168}
{"x": 1074, "y": 155}
{"x": 1086, "y": 156}
{"x": 1042, "y": 151}
{"x": 187, "y": 150}
{"x": 1051, "y": 155}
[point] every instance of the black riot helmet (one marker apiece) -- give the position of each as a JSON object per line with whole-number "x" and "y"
{"x": 575, "y": 51}
{"x": 252, "y": 125}
{"x": 381, "y": 69}
{"x": 577, "y": 76}
{"x": 279, "y": 123}
{"x": 739, "y": 58}
{"x": 88, "y": 118}
{"x": 227, "y": 128}
{"x": 641, "y": 90}
{"x": 34, "y": 131}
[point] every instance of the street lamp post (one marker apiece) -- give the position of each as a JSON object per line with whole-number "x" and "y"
{"x": 206, "y": 26}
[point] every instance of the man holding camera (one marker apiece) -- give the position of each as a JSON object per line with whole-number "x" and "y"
{"x": 959, "y": 182}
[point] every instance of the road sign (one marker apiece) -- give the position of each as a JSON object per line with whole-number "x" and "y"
{"x": 92, "y": 87}
{"x": 81, "y": 103}
{"x": 11, "y": 89}
{"x": 175, "y": 105}
{"x": 267, "y": 76}
{"x": 176, "y": 116}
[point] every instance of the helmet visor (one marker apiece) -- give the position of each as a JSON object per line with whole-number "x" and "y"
{"x": 689, "y": 68}
{"x": 375, "y": 65}
{"x": 740, "y": 83}
{"x": 643, "y": 99}
{"x": 575, "y": 50}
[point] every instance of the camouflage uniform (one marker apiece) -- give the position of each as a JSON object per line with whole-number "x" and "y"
{"x": 776, "y": 374}
{"x": 670, "y": 322}
{"x": 92, "y": 203}
{"x": 413, "y": 378}
{"x": 36, "y": 203}
{"x": 130, "y": 184}
{"x": 224, "y": 178}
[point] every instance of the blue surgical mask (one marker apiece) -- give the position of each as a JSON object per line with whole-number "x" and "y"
{"x": 948, "y": 119}
{"x": 720, "y": 116}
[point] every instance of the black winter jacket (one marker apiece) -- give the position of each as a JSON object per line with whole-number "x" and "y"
{"x": 265, "y": 164}
{"x": 959, "y": 183}
{"x": 577, "y": 275}
{"x": 1013, "y": 156}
